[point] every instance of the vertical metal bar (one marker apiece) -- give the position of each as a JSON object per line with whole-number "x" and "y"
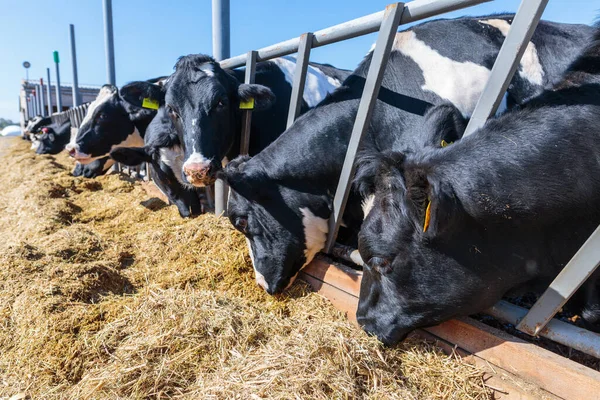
{"x": 42, "y": 101}
{"x": 220, "y": 29}
{"x": 381, "y": 54}
{"x": 34, "y": 104}
{"x": 147, "y": 178}
{"x": 574, "y": 274}
{"x": 516, "y": 41}
{"x": 109, "y": 43}
{"x": 76, "y": 100}
{"x": 299, "y": 77}
{"x": 58, "y": 88}
{"x": 38, "y": 104}
{"x": 49, "y": 91}
{"x": 247, "y": 114}
{"x": 221, "y": 51}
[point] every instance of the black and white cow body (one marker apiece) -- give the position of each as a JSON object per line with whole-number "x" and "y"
{"x": 52, "y": 139}
{"x": 452, "y": 230}
{"x": 203, "y": 101}
{"x": 163, "y": 152}
{"x": 281, "y": 199}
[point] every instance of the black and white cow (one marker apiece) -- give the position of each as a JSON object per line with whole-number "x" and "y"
{"x": 34, "y": 125}
{"x": 281, "y": 198}
{"x": 162, "y": 150}
{"x": 98, "y": 167}
{"x": 203, "y": 101}
{"x": 110, "y": 122}
{"x": 452, "y": 230}
{"x": 52, "y": 138}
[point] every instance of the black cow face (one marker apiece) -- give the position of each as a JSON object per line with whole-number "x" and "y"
{"x": 203, "y": 101}
{"x": 284, "y": 228}
{"x": 413, "y": 275}
{"x": 53, "y": 141}
{"x": 107, "y": 124}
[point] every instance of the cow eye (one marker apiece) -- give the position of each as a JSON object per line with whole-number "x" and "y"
{"x": 102, "y": 116}
{"x": 171, "y": 111}
{"x": 221, "y": 103}
{"x": 379, "y": 264}
{"x": 241, "y": 224}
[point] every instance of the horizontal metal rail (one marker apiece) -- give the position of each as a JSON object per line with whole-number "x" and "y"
{"x": 413, "y": 11}
{"x": 557, "y": 331}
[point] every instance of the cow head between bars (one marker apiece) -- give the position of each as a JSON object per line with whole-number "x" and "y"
{"x": 203, "y": 101}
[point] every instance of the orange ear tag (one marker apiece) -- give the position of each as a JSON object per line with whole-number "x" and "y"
{"x": 427, "y": 217}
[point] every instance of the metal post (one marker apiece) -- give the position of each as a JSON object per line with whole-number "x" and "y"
{"x": 574, "y": 274}
{"x": 516, "y": 41}
{"x": 220, "y": 32}
{"x": 39, "y": 96}
{"x": 381, "y": 54}
{"x": 109, "y": 44}
{"x": 247, "y": 114}
{"x": 58, "y": 91}
{"x": 34, "y": 104}
{"x": 42, "y": 101}
{"x": 220, "y": 29}
{"x": 299, "y": 77}
{"x": 49, "y": 91}
{"x": 76, "y": 100}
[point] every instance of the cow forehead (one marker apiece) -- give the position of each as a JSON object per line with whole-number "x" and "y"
{"x": 105, "y": 94}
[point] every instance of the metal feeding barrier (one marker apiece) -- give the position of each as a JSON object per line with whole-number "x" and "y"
{"x": 539, "y": 320}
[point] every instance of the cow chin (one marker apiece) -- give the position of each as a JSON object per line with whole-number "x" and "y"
{"x": 201, "y": 182}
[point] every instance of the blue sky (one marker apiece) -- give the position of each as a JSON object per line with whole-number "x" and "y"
{"x": 150, "y": 35}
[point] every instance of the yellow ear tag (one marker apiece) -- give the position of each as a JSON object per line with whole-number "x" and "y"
{"x": 427, "y": 216}
{"x": 444, "y": 143}
{"x": 150, "y": 103}
{"x": 247, "y": 105}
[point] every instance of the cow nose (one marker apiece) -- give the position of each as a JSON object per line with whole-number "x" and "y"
{"x": 72, "y": 152}
{"x": 197, "y": 173}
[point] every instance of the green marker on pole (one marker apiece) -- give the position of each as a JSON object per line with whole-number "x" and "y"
{"x": 56, "y": 59}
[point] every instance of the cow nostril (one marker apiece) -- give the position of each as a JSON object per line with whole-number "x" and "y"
{"x": 72, "y": 152}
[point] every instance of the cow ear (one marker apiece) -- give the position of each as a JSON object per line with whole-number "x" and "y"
{"x": 443, "y": 125}
{"x": 131, "y": 156}
{"x": 374, "y": 168}
{"x": 143, "y": 95}
{"x": 242, "y": 178}
{"x": 431, "y": 202}
{"x": 255, "y": 97}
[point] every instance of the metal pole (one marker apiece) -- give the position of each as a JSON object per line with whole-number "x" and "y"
{"x": 109, "y": 43}
{"x": 42, "y": 101}
{"x": 247, "y": 114}
{"x": 506, "y": 64}
{"x": 413, "y": 11}
{"x": 58, "y": 88}
{"x": 299, "y": 77}
{"x": 220, "y": 29}
{"x": 39, "y": 96}
{"x": 574, "y": 274}
{"x": 49, "y": 91}
{"x": 76, "y": 100}
{"x": 221, "y": 51}
{"x": 34, "y": 104}
{"x": 381, "y": 54}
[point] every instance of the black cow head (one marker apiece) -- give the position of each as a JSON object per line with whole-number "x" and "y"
{"x": 421, "y": 249}
{"x": 203, "y": 102}
{"x": 110, "y": 122}
{"x": 53, "y": 141}
{"x": 285, "y": 226}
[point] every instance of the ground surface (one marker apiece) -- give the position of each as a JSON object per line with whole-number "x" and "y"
{"x": 106, "y": 294}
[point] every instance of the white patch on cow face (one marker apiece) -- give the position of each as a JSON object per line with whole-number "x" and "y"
{"x": 260, "y": 279}
{"x": 367, "y": 205}
{"x": 317, "y": 84}
{"x": 35, "y": 143}
{"x": 459, "y": 82}
{"x": 315, "y": 234}
{"x": 531, "y": 68}
{"x": 196, "y": 158}
{"x": 208, "y": 69}
{"x": 134, "y": 139}
{"x": 104, "y": 95}
{"x": 173, "y": 158}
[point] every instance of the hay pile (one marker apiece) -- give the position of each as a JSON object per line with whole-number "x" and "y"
{"x": 106, "y": 294}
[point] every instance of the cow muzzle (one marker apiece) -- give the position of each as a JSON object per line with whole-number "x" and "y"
{"x": 199, "y": 174}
